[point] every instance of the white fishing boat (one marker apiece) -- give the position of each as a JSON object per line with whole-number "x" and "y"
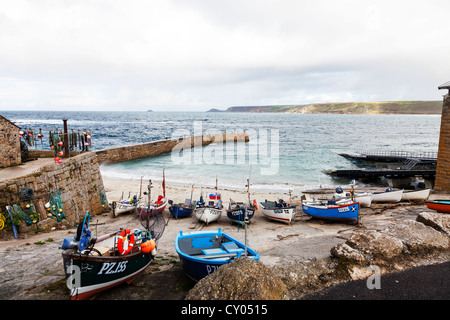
{"x": 210, "y": 211}
{"x": 123, "y": 206}
{"x": 364, "y": 198}
{"x": 278, "y": 210}
{"x": 387, "y": 196}
{"x": 416, "y": 195}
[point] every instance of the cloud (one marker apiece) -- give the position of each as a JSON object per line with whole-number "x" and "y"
{"x": 196, "y": 54}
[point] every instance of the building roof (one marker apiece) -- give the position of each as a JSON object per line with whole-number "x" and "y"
{"x": 445, "y": 86}
{"x": 2, "y": 117}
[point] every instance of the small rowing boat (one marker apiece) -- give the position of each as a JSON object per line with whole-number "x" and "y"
{"x": 416, "y": 195}
{"x": 442, "y": 206}
{"x": 203, "y": 252}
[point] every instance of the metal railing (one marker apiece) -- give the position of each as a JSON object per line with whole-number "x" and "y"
{"x": 401, "y": 154}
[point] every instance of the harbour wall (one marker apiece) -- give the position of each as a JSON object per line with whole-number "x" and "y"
{"x": 78, "y": 180}
{"x": 442, "y": 181}
{"x": 154, "y": 148}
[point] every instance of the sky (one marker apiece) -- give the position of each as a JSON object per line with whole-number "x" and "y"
{"x": 194, "y": 55}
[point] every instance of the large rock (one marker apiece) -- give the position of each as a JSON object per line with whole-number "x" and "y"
{"x": 375, "y": 244}
{"x": 241, "y": 279}
{"x": 438, "y": 221}
{"x": 302, "y": 276}
{"x": 418, "y": 238}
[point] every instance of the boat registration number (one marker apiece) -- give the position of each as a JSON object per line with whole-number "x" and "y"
{"x": 113, "y": 267}
{"x": 343, "y": 209}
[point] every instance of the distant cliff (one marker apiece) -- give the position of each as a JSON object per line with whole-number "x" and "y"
{"x": 385, "y": 107}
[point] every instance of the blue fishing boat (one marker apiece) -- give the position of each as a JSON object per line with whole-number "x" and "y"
{"x": 343, "y": 210}
{"x": 203, "y": 252}
{"x": 181, "y": 210}
{"x": 240, "y": 212}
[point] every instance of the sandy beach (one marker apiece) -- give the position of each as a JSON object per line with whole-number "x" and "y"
{"x": 304, "y": 238}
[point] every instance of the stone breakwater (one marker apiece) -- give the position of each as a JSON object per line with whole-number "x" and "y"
{"x": 150, "y": 149}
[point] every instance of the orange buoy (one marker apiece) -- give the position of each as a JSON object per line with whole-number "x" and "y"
{"x": 148, "y": 246}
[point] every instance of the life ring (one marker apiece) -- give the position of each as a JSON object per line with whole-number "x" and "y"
{"x": 256, "y": 206}
{"x": 125, "y": 234}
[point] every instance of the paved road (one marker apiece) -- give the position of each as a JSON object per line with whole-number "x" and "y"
{"x": 420, "y": 283}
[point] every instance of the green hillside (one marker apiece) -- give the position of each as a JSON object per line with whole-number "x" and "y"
{"x": 386, "y": 107}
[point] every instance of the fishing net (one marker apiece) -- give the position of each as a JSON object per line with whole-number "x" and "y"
{"x": 153, "y": 221}
{"x": 18, "y": 212}
{"x": 56, "y": 206}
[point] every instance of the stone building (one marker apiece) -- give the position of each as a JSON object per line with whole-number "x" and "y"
{"x": 442, "y": 182}
{"x": 9, "y": 143}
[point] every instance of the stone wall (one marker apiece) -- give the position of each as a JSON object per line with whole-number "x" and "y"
{"x": 442, "y": 182}
{"x": 9, "y": 144}
{"x": 127, "y": 153}
{"x": 78, "y": 179}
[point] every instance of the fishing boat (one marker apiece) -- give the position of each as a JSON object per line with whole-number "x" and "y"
{"x": 278, "y": 210}
{"x": 416, "y": 195}
{"x": 181, "y": 210}
{"x": 387, "y": 196}
{"x": 95, "y": 264}
{"x": 203, "y": 252}
{"x": 210, "y": 211}
{"x": 442, "y": 206}
{"x": 364, "y": 198}
{"x": 342, "y": 210}
{"x": 123, "y": 206}
{"x": 240, "y": 212}
{"x": 157, "y": 206}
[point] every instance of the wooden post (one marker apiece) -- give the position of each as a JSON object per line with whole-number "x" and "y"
{"x": 66, "y": 140}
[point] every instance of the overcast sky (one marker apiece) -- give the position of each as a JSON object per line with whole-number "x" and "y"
{"x": 194, "y": 55}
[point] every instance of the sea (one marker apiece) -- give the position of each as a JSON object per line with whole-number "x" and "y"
{"x": 286, "y": 151}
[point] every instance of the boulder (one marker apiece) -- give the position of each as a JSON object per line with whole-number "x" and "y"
{"x": 343, "y": 252}
{"x": 241, "y": 279}
{"x": 418, "y": 238}
{"x": 375, "y": 244}
{"x": 438, "y": 221}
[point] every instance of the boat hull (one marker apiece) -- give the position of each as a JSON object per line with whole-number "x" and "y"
{"x": 391, "y": 196}
{"x": 208, "y": 214}
{"x": 239, "y": 215}
{"x": 419, "y": 195}
{"x": 88, "y": 275}
{"x": 347, "y": 213}
{"x": 283, "y": 214}
{"x": 442, "y": 206}
{"x": 203, "y": 260}
{"x": 119, "y": 207}
{"x": 180, "y": 211}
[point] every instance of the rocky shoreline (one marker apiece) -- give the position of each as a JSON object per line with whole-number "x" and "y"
{"x": 300, "y": 259}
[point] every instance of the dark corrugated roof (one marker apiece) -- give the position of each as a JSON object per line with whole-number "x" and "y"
{"x": 445, "y": 86}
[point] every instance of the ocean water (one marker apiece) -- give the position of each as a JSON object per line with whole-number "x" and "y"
{"x": 285, "y": 152}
